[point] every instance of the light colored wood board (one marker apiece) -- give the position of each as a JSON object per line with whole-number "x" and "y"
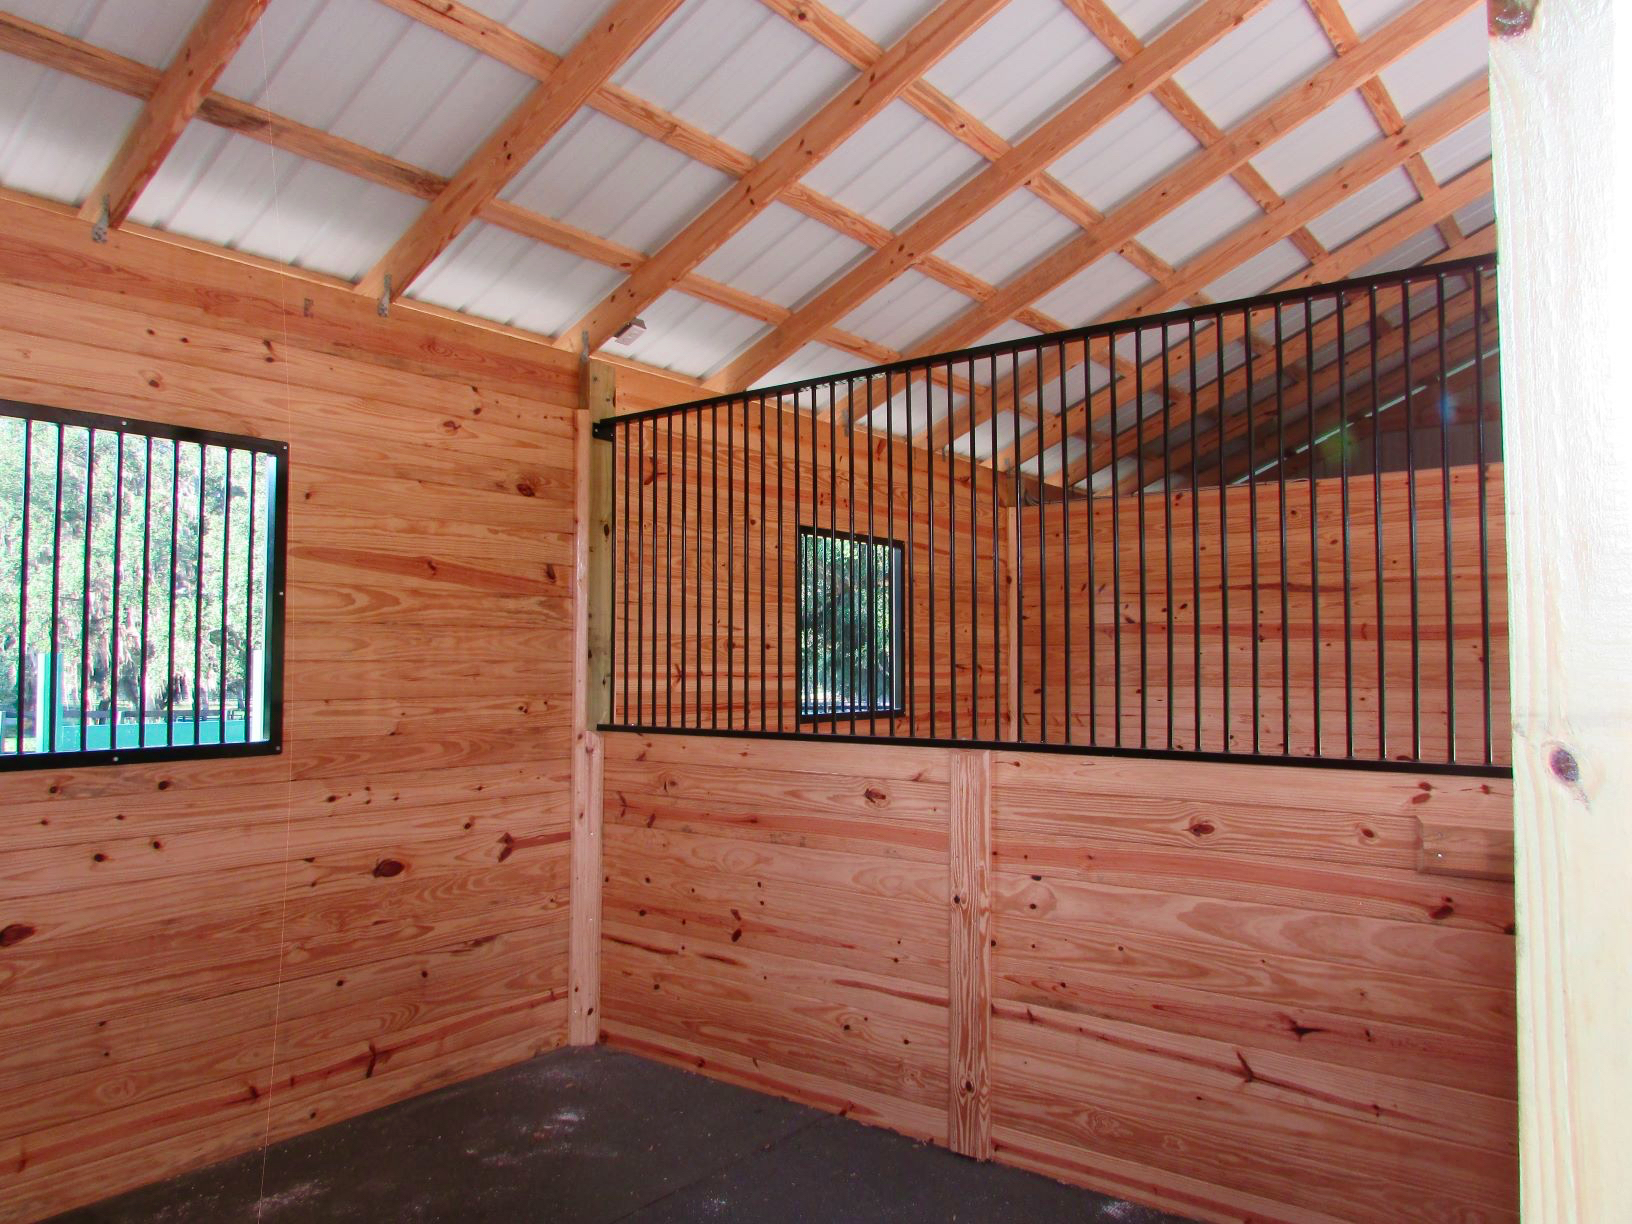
{"x": 1561, "y": 191}
{"x": 904, "y": 763}
{"x": 1159, "y": 1114}
{"x": 972, "y": 896}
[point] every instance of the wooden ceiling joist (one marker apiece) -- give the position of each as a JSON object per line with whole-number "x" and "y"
{"x": 527, "y": 129}
{"x": 1259, "y": 130}
{"x": 918, "y": 50}
{"x": 1342, "y": 262}
{"x": 1068, "y": 127}
{"x": 179, "y": 91}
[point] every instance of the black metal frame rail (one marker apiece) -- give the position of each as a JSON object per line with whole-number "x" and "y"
{"x": 1305, "y": 402}
{"x": 131, "y": 520}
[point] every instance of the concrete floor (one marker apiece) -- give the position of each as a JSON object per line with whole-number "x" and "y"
{"x": 594, "y": 1136}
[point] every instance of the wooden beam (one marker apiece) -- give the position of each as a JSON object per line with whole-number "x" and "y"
{"x": 527, "y": 129}
{"x": 1202, "y": 169}
{"x": 592, "y": 693}
{"x": 969, "y": 1108}
{"x": 215, "y": 37}
{"x": 1559, "y": 92}
{"x": 1113, "y": 94}
{"x": 1344, "y": 261}
{"x": 918, "y": 50}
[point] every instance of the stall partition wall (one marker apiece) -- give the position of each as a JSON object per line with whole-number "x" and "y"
{"x": 1237, "y": 991}
{"x": 1358, "y": 653}
{"x": 708, "y": 509}
{"x": 200, "y": 955}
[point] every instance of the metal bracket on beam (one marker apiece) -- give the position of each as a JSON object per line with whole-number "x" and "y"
{"x": 384, "y": 304}
{"x": 99, "y": 231}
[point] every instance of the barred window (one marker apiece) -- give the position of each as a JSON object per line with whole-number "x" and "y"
{"x": 141, "y": 590}
{"x": 849, "y": 625}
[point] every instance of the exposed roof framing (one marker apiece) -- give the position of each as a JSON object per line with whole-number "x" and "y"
{"x": 916, "y": 278}
{"x": 175, "y": 99}
{"x": 527, "y": 129}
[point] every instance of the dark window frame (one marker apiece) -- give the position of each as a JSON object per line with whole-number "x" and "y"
{"x": 897, "y": 708}
{"x": 276, "y": 583}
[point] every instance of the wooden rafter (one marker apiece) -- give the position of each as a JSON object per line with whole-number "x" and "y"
{"x": 1294, "y": 106}
{"x": 215, "y": 37}
{"x": 1340, "y": 32}
{"x": 616, "y": 36}
{"x": 918, "y": 50}
{"x": 1110, "y": 30}
{"x": 1205, "y": 167}
{"x": 1068, "y": 127}
{"x": 1344, "y": 261}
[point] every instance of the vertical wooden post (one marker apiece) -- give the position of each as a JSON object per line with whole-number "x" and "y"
{"x": 1561, "y": 121}
{"x": 969, "y": 1109}
{"x": 592, "y": 695}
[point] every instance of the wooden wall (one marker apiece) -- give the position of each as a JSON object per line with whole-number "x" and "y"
{"x": 1100, "y": 614}
{"x": 198, "y": 955}
{"x": 725, "y": 492}
{"x": 1239, "y": 992}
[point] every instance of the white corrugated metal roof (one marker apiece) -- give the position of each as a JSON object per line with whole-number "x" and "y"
{"x": 748, "y": 74}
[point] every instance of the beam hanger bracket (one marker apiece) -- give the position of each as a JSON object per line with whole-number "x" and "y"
{"x": 383, "y": 306}
{"x": 99, "y": 231}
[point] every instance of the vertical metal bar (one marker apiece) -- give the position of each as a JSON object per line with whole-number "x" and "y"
{"x": 895, "y": 578}
{"x": 1484, "y": 548}
{"x": 1017, "y": 652}
{"x": 1116, "y": 546}
{"x": 621, "y": 451}
{"x": 640, "y": 569}
{"x": 951, "y": 554}
{"x": 997, "y": 635}
{"x": 198, "y": 607}
{"x": 175, "y": 568}
{"x": 929, "y": 481}
{"x": 1093, "y": 543}
{"x": 54, "y": 712}
{"x": 1343, "y": 484}
{"x": 1445, "y": 510}
{"x": 731, "y": 564}
{"x": 1377, "y": 526}
{"x": 685, "y": 547}
{"x": 781, "y": 574}
{"x": 668, "y": 574}
{"x": 1411, "y": 500}
{"x": 974, "y": 571}
{"x": 85, "y": 592}
{"x": 1167, "y": 518}
{"x": 1042, "y": 549}
{"x": 22, "y": 582}
{"x": 872, "y": 580}
{"x": 249, "y": 598}
{"x": 832, "y": 552}
{"x": 1139, "y": 469}
{"x": 1314, "y": 512}
{"x": 713, "y": 566}
{"x": 850, "y": 583}
{"x": 764, "y": 641}
{"x": 1068, "y": 663}
{"x": 1223, "y": 538}
{"x": 113, "y": 631}
{"x": 1195, "y": 543}
{"x": 226, "y": 568}
{"x": 147, "y": 580}
{"x": 799, "y": 652}
{"x": 1280, "y": 508}
{"x": 1252, "y": 525}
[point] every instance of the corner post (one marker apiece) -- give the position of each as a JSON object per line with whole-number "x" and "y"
{"x": 1560, "y": 93}
{"x": 969, "y": 1107}
{"x": 591, "y": 692}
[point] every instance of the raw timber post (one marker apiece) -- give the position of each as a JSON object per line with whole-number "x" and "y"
{"x": 969, "y": 1107}
{"x": 591, "y": 693}
{"x": 1561, "y": 111}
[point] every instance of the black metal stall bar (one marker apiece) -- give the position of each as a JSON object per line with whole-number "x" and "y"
{"x": 1265, "y": 530}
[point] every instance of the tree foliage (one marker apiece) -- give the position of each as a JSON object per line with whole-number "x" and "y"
{"x": 848, "y": 631}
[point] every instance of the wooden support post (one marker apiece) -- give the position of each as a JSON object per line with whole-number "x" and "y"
{"x": 592, "y": 695}
{"x": 969, "y": 1108}
{"x": 1559, "y": 94}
